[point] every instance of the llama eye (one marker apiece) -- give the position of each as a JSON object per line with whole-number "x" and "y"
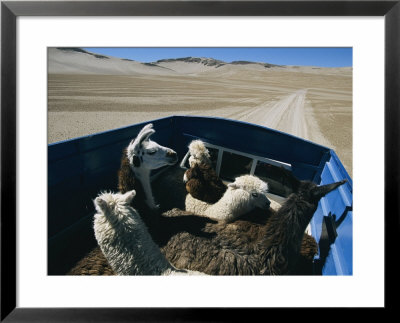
{"x": 151, "y": 152}
{"x": 254, "y": 194}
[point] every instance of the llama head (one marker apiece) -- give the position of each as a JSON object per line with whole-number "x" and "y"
{"x": 145, "y": 153}
{"x": 251, "y": 190}
{"x": 198, "y": 153}
{"x": 309, "y": 190}
{"x": 312, "y": 193}
{"x": 114, "y": 204}
{"x": 302, "y": 204}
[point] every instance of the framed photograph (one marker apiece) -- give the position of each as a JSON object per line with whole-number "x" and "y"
{"x": 55, "y": 121}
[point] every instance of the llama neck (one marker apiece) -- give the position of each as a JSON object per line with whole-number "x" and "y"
{"x": 143, "y": 175}
{"x": 284, "y": 233}
{"x": 227, "y": 208}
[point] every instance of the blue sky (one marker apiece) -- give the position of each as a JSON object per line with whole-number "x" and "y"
{"x": 310, "y": 56}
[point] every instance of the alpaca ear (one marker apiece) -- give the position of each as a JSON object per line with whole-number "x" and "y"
{"x": 233, "y": 186}
{"x": 99, "y": 203}
{"x": 128, "y": 196}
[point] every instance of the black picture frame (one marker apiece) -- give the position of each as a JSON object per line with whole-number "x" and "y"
{"x": 11, "y": 10}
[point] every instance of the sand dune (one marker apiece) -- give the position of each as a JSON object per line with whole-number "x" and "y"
{"x": 74, "y": 61}
{"x": 87, "y": 94}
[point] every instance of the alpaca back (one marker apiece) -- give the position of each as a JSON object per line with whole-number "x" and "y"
{"x": 196, "y": 206}
{"x": 232, "y": 204}
{"x": 231, "y": 249}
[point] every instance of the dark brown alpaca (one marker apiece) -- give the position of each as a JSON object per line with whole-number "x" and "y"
{"x": 203, "y": 183}
{"x": 94, "y": 263}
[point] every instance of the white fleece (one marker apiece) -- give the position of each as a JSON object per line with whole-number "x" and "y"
{"x": 242, "y": 196}
{"x": 125, "y": 241}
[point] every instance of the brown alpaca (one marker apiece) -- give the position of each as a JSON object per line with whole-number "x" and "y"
{"x": 203, "y": 183}
{"x": 94, "y": 263}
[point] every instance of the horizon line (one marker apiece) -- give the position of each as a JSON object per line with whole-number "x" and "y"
{"x": 123, "y": 55}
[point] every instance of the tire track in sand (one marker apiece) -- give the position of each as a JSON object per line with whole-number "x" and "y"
{"x": 287, "y": 114}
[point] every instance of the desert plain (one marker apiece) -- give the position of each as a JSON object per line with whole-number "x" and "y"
{"x": 90, "y": 93}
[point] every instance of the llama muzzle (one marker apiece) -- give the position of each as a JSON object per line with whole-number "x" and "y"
{"x": 322, "y": 190}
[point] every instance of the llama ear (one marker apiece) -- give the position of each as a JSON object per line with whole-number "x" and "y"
{"x": 143, "y": 135}
{"x": 146, "y": 127}
{"x": 146, "y": 136}
{"x": 100, "y": 204}
{"x": 128, "y": 196}
{"x": 233, "y": 186}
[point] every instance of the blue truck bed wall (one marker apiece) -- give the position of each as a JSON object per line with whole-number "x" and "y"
{"x": 79, "y": 169}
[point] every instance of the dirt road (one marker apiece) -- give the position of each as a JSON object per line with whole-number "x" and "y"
{"x": 287, "y": 114}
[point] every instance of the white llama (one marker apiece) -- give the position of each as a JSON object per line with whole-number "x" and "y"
{"x": 125, "y": 241}
{"x": 242, "y": 196}
{"x": 144, "y": 155}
